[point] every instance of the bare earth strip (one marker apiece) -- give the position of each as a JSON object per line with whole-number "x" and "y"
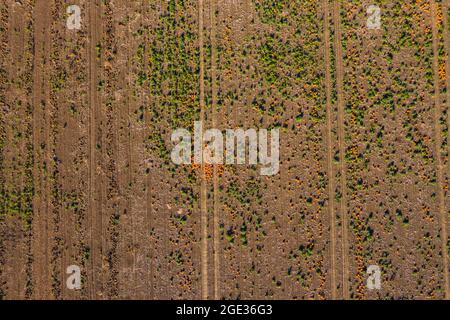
{"x": 95, "y": 255}
{"x": 445, "y": 9}
{"x": 127, "y": 259}
{"x": 331, "y": 177}
{"x": 341, "y": 134}
{"x": 4, "y": 16}
{"x": 129, "y": 147}
{"x": 148, "y": 263}
{"x": 136, "y": 147}
{"x": 40, "y": 222}
{"x": 68, "y": 138}
{"x": 143, "y": 243}
{"x": 121, "y": 65}
{"x": 203, "y": 205}
{"x": 216, "y": 231}
{"x": 438, "y": 143}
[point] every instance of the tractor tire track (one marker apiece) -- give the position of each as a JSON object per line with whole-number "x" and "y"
{"x": 149, "y": 217}
{"x": 341, "y": 135}
{"x": 129, "y": 161}
{"x": 331, "y": 177}
{"x": 148, "y": 165}
{"x": 41, "y": 227}
{"x": 4, "y": 50}
{"x": 445, "y": 8}
{"x": 126, "y": 237}
{"x": 438, "y": 143}
{"x": 95, "y": 253}
{"x": 216, "y": 231}
{"x": 203, "y": 194}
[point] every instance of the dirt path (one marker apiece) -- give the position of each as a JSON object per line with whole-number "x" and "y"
{"x": 130, "y": 162}
{"x": 94, "y": 232}
{"x": 4, "y": 16}
{"x": 41, "y": 272}
{"x": 438, "y": 143}
{"x": 136, "y": 150}
{"x": 331, "y": 177}
{"x": 203, "y": 195}
{"x": 149, "y": 181}
{"x": 146, "y": 23}
{"x": 445, "y": 9}
{"x": 127, "y": 234}
{"x": 69, "y": 138}
{"x": 216, "y": 234}
{"x": 341, "y": 135}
